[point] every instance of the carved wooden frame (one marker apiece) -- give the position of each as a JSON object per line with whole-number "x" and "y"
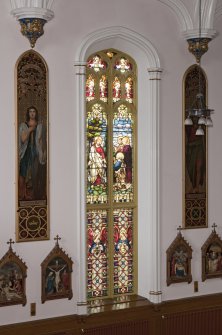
{"x": 213, "y": 242}
{"x": 14, "y": 263}
{"x": 59, "y": 271}
{"x": 179, "y": 243}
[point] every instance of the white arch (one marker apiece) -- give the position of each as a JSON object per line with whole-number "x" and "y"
{"x": 126, "y": 35}
{"x": 137, "y": 45}
{"x": 181, "y": 12}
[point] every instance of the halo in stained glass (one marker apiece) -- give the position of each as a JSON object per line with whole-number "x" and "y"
{"x": 97, "y": 246}
{"x": 96, "y": 155}
{"x": 123, "y": 155}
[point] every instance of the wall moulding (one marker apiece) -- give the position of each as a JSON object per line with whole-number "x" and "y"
{"x": 41, "y": 9}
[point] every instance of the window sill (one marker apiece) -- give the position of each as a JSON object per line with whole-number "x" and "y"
{"x": 118, "y": 303}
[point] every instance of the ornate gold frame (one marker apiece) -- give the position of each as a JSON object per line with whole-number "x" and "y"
{"x": 32, "y": 217}
{"x": 185, "y": 224}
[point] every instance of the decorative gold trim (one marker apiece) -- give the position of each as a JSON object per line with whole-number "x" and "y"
{"x": 183, "y": 155}
{"x": 34, "y": 206}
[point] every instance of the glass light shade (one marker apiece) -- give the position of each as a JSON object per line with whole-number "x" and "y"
{"x": 200, "y": 131}
{"x": 209, "y": 121}
{"x": 188, "y": 121}
{"x": 202, "y": 120}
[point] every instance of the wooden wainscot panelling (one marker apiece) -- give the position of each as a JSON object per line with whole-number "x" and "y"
{"x": 192, "y": 316}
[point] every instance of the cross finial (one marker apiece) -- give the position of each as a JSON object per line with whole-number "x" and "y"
{"x": 57, "y": 238}
{"x": 179, "y": 229}
{"x": 214, "y": 226}
{"x": 10, "y": 242}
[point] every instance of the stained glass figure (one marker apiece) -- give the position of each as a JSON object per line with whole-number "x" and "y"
{"x": 123, "y": 251}
{"x": 96, "y": 63}
{"x": 96, "y": 153}
{"x": 103, "y": 88}
{"x": 97, "y": 253}
{"x": 123, "y": 65}
{"x": 122, "y": 152}
{"x": 116, "y": 89}
{"x": 90, "y": 88}
{"x": 129, "y": 90}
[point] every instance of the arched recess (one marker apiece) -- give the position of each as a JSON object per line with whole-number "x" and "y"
{"x": 147, "y": 59}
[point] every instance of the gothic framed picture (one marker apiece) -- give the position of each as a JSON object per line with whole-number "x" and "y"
{"x": 32, "y": 195}
{"x": 56, "y": 274}
{"x": 179, "y": 255}
{"x": 13, "y": 273}
{"x": 212, "y": 256}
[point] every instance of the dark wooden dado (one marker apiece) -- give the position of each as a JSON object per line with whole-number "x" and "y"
{"x": 193, "y": 316}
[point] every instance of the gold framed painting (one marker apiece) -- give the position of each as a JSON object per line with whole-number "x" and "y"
{"x": 32, "y": 147}
{"x": 195, "y": 207}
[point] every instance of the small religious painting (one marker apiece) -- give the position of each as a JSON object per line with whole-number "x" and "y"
{"x": 56, "y": 275}
{"x": 12, "y": 279}
{"x": 32, "y": 148}
{"x": 179, "y": 256}
{"x": 212, "y": 256}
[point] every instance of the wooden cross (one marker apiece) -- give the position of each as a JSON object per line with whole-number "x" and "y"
{"x": 179, "y": 229}
{"x": 214, "y": 226}
{"x": 10, "y": 242}
{"x": 57, "y": 238}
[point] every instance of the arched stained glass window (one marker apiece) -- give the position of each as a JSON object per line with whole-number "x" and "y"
{"x": 111, "y": 79}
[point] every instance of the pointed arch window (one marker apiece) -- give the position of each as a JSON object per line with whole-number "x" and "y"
{"x": 111, "y": 194}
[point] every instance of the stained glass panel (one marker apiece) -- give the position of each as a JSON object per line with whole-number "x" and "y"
{"x": 122, "y": 153}
{"x": 97, "y": 253}
{"x": 116, "y": 89}
{"x": 90, "y": 88}
{"x": 123, "y": 251}
{"x": 129, "y": 90}
{"x": 103, "y": 88}
{"x": 96, "y": 63}
{"x": 96, "y": 155}
{"x": 123, "y": 65}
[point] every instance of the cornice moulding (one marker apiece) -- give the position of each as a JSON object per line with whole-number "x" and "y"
{"x": 40, "y": 13}
{"x": 194, "y": 33}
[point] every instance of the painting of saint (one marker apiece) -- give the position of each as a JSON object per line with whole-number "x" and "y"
{"x": 214, "y": 259}
{"x": 179, "y": 263}
{"x": 32, "y": 157}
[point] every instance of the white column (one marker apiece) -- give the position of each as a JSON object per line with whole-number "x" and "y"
{"x": 22, "y": 9}
{"x": 155, "y": 293}
{"x": 81, "y": 208}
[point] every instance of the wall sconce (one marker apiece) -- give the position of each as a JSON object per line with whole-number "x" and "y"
{"x": 32, "y": 16}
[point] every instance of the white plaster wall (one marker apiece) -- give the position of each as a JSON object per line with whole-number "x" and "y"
{"x": 63, "y": 35}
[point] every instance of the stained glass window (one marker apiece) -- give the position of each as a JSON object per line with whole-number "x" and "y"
{"x": 111, "y": 174}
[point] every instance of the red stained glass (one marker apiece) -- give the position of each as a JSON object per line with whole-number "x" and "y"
{"x": 123, "y": 251}
{"x": 96, "y": 63}
{"x": 129, "y": 90}
{"x": 90, "y": 88}
{"x": 103, "y": 88}
{"x": 97, "y": 246}
{"x": 123, "y": 65}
